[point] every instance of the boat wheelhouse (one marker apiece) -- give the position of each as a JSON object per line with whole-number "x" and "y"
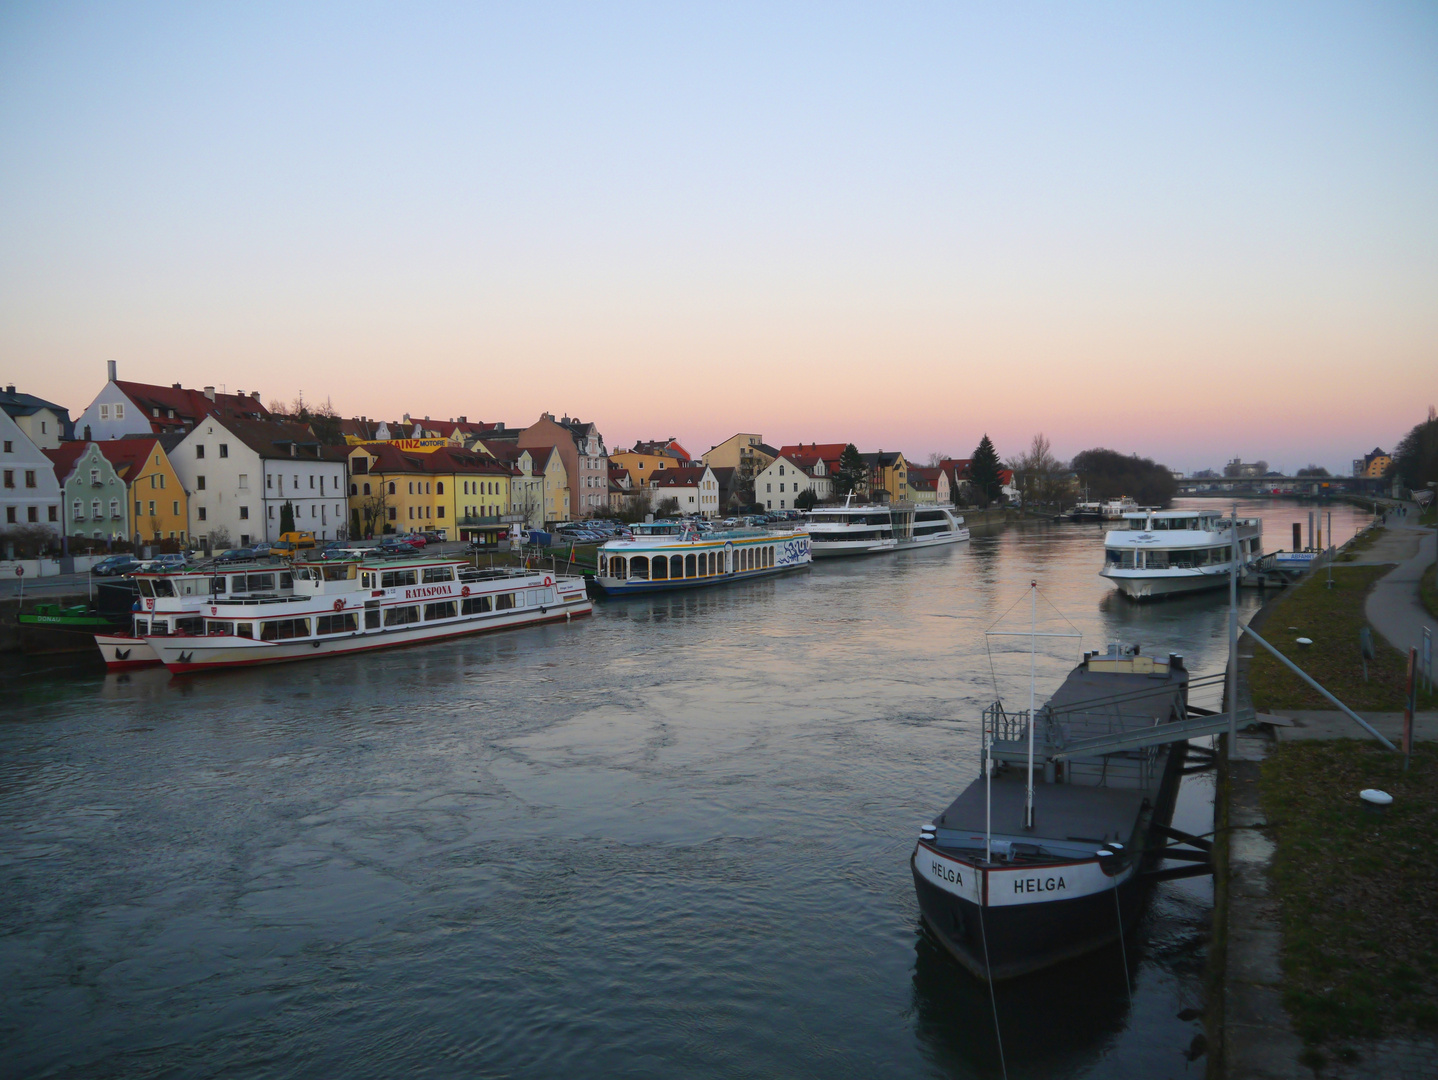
{"x": 679, "y": 555}
{"x": 1166, "y": 552}
{"x": 173, "y": 602}
{"x": 1029, "y": 867}
{"x": 341, "y": 607}
{"x": 933, "y": 525}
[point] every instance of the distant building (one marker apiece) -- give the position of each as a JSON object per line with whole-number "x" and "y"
{"x": 157, "y": 500}
{"x": 457, "y": 490}
{"x": 786, "y": 478}
{"x": 1374, "y": 464}
{"x": 696, "y": 489}
{"x": 95, "y": 495}
{"x": 30, "y": 495}
{"x": 131, "y": 408}
{"x": 586, "y": 462}
{"x": 46, "y": 423}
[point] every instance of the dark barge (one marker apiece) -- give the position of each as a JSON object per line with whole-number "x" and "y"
{"x": 1108, "y": 753}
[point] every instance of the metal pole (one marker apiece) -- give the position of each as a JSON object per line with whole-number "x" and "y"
{"x": 1033, "y": 649}
{"x": 1233, "y": 632}
{"x": 1364, "y": 724}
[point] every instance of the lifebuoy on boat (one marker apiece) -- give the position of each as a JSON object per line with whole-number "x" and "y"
{"x": 340, "y": 604}
{"x": 464, "y": 591}
{"x": 548, "y": 580}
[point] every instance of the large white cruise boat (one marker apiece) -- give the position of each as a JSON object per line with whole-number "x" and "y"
{"x": 1165, "y": 552}
{"x": 868, "y": 530}
{"x": 678, "y": 555}
{"x": 174, "y": 601}
{"x": 359, "y": 605}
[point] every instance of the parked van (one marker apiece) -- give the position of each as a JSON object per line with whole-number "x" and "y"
{"x": 298, "y": 540}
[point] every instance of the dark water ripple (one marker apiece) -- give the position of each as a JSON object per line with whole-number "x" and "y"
{"x": 671, "y": 839}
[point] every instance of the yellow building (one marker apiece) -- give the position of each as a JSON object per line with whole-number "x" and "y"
{"x": 445, "y": 489}
{"x": 646, "y": 459}
{"x": 889, "y": 475}
{"x": 158, "y": 507}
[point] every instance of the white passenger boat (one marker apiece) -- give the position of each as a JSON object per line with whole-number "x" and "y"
{"x": 869, "y": 530}
{"x": 851, "y": 530}
{"x": 357, "y": 606}
{"x": 931, "y": 526}
{"x": 174, "y": 601}
{"x": 677, "y": 555}
{"x": 1165, "y": 552}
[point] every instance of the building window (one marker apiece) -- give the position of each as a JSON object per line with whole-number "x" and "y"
{"x": 115, "y": 509}
{"x": 392, "y": 513}
{"x": 244, "y": 513}
{"x": 9, "y": 515}
{"x": 199, "y": 451}
{"x": 199, "y": 483}
{"x": 152, "y": 507}
{"x": 272, "y": 513}
{"x": 54, "y": 513}
{"x": 224, "y": 449}
{"x": 119, "y": 412}
{"x": 391, "y": 487}
{"x": 441, "y": 512}
{"x": 95, "y": 509}
{"x": 9, "y": 447}
{"x": 244, "y": 481}
{"x": 9, "y": 478}
{"x": 366, "y": 489}
{"x": 94, "y": 476}
{"x": 137, "y": 507}
{"x": 439, "y": 488}
{"x": 312, "y": 482}
{"x": 203, "y": 514}
{"x": 269, "y": 482}
{"x": 32, "y": 514}
{"x": 29, "y": 478}
{"x": 79, "y": 510}
{"x": 104, "y": 412}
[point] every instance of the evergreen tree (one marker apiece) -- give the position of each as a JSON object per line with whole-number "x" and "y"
{"x": 852, "y": 474}
{"x": 287, "y": 519}
{"x": 806, "y": 499}
{"x": 984, "y": 472}
{"x": 1415, "y": 461}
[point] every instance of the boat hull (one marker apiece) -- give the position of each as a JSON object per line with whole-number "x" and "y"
{"x": 938, "y": 540}
{"x": 124, "y": 653}
{"x": 835, "y": 549}
{"x": 188, "y": 655}
{"x": 639, "y": 586}
{"x": 1146, "y": 585}
{"x": 1017, "y": 941}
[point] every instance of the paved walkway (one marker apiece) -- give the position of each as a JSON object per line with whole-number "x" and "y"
{"x": 1393, "y": 606}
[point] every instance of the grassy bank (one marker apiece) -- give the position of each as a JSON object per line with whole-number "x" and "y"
{"x": 1356, "y": 887}
{"x": 1332, "y": 618}
{"x": 1428, "y": 589}
{"x": 1360, "y": 543}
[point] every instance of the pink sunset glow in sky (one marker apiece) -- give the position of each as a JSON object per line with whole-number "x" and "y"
{"x": 1193, "y": 233}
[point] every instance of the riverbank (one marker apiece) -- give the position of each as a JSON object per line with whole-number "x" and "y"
{"x": 1324, "y": 955}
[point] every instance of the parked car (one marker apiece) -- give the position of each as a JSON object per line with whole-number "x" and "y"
{"x": 234, "y": 555}
{"x": 114, "y": 565}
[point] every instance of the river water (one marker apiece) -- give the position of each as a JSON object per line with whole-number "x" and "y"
{"x": 671, "y": 839}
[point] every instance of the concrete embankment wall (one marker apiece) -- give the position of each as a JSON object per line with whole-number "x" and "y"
{"x": 984, "y": 519}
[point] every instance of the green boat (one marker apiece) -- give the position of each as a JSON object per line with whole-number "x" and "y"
{"x": 55, "y": 616}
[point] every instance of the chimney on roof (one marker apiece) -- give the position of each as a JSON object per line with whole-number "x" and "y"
{"x": 176, "y": 386}
{"x": 210, "y": 392}
{"x": 110, "y": 364}
{"x": 255, "y": 394}
{"x": 464, "y": 419}
{"x": 10, "y": 389}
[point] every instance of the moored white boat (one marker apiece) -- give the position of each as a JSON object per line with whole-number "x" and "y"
{"x": 173, "y": 601}
{"x": 677, "y": 555}
{"x": 932, "y": 526}
{"x": 357, "y": 606}
{"x": 1166, "y": 552}
{"x": 869, "y": 530}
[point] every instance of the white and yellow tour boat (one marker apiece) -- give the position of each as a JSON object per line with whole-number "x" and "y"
{"x": 679, "y": 555}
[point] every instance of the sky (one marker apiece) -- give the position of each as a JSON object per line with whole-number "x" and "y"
{"x": 1193, "y": 232}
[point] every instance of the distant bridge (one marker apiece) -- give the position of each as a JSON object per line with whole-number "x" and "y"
{"x": 1294, "y": 487}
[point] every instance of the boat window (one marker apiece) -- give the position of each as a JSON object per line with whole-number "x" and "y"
{"x": 371, "y": 617}
{"x": 1156, "y": 560}
{"x": 444, "y": 609}
{"x": 284, "y": 629}
{"x": 335, "y": 572}
{"x": 220, "y": 628}
{"x": 142, "y": 627}
{"x": 476, "y": 605}
{"x": 438, "y": 573}
{"x": 390, "y": 579}
{"x": 217, "y": 584}
{"x": 304, "y": 574}
{"x": 506, "y": 601}
{"x": 245, "y": 629}
{"x": 661, "y": 568}
{"x": 160, "y": 628}
{"x": 260, "y": 582}
{"x": 144, "y": 584}
{"x": 163, "y": 587}
{"x": 366, "y": 581}
{"x": 192, "y": 624}
{"x": 691, "y": 567}
{"x": 676, "y": 567}
{"x": 287, "y": 581}
{"x": 401, "y": 616}
{"x": 713, "y": 562}
{"x": 639, "y": 567}
{"x": 345, "y": 623}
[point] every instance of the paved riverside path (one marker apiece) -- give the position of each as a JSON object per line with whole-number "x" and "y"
{"x": 1393, "y": 606}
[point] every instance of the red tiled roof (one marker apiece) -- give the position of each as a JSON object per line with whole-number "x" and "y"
{"x": 447, "y": 459}
{"x": 128, "y": 456}
{"x": 187, "y": 405}
{"x": 65, "y": 457}
{"x": 826, "y": 451}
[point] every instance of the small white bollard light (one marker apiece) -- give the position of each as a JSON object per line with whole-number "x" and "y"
{"x": 1305, "y": 642}
{"x": 1374, "y": 797}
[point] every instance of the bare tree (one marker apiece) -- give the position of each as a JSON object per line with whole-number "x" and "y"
{"x": 1042, "y": 479}
{"x": 936, "y": 459}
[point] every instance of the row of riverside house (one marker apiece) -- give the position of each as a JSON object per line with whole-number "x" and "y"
{"x": 171, "y": 466}
{"x": 145, "y": 464}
